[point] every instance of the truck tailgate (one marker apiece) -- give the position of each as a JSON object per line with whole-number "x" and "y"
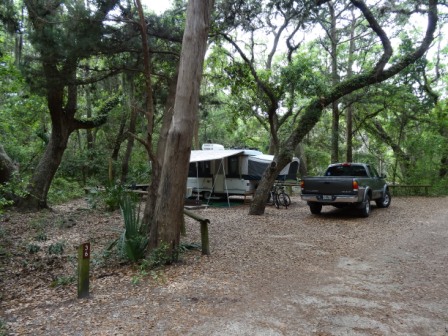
{"x": 328, "y": 185}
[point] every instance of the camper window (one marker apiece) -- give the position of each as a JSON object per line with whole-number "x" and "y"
{"x": 233, "y": 167}
{"x": 199, "y": 169}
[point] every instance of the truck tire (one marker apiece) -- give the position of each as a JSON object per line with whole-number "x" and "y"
{"x": 315, "y": 208}
{"x": 365, "y": 207}
{"x": 384, "y": 201}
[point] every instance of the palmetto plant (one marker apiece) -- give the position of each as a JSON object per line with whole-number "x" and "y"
{"x": 134, "y": 239}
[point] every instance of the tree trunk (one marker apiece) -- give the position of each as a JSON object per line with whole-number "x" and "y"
{"x": 132, "y": 128}
{"x": 158, "y": 163}
{"x": 40, "y": 182}
{"x": 119, "y": 138}
{"x": 303, "y": 166}
{"x": 349, "y": 144}
{"x": 90, "y": 139}
{"x": 443, "y": 131}
{"x": 334, "y": 81}
{"x": 349, "y": 115}
{"x": 171, "y": 192}
{"x": 258, "y": 204}
{"x": 335, "y": 133}
{"x": 403, "y": 158}
{"x": 7, "y": 166}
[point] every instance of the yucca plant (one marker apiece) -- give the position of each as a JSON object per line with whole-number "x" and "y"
{"x": 134, "y": 238}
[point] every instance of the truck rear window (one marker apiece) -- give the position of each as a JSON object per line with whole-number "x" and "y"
{"x": 346, "y": 170}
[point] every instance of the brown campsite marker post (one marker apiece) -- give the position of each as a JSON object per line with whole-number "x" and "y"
{"x": 83, "y": 270}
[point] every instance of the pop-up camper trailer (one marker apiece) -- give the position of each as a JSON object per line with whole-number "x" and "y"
{"x": 223, "y": 172}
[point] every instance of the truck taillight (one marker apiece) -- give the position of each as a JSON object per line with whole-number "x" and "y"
{"x": 302, "y": 184}
{"x": 355, "y": 185}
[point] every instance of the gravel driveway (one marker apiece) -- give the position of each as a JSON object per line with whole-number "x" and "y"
{"x": 285, "y": 273}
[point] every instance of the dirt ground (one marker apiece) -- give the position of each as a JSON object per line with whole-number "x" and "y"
{"x": 285, "y": 273}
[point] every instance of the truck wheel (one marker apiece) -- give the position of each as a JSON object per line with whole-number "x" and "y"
{"x": 365, "y": 207}
{"x": 384, "y": 201}
{"x": 315, "y": 208}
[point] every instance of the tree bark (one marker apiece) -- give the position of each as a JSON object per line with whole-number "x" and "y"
{"x": 131, "y": 130}
{"x": 40, "y": 182}
{"x": 334, "y": 80}
{"x": 158, "y": 163}
{"x": 7, "y": 166}
{"x": 171, "y": 192}
{"x": 350, "y": 110}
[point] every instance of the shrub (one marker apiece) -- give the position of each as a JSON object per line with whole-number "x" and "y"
{"x": 113, "y": 196}
{"x": 32, "y": 248}
{"x": 63, "y": 190}
{"x": 63, "y": 281}
{"x": 134, "y": 239}
{"x": 56, "y": 248}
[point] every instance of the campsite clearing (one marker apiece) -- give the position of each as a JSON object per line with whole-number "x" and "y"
{"x": 285, "y": 273}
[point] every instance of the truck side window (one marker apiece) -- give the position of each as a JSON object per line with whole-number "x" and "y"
{"x": 373, "y": 172}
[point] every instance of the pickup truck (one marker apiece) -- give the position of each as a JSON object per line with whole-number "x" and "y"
{"x": 346, "y": 184}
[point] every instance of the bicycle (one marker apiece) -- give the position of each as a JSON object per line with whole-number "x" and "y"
{"x": 278, "y": 196}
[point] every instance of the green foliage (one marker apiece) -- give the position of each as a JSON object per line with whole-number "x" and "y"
{"x": 109, "y": 197}
{"x": 184, "y": 247}
{"x": 64, "y": 189}
{"x": 3, "y": 330}
{"x": 93, "y": 197}
{"x": 159, "y": 256}
{"x": 39, "y": 222}
{"x": 63, "y": 281}
{"x": 56, "y": 248}
{"x": 10, "y": 190}
{"x": 134, "y": 240}
{"x": 32, "y": 248}
{"x": 3, "y": 201}
{"x": 41, "y": 236}
{"x": 303, "y": 75}
{"x": 113, "y": 196}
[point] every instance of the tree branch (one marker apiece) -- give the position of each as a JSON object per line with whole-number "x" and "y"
{"x": 387, "y": 47}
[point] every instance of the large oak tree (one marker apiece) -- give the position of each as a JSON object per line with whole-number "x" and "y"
{"x": 386, "y": 66}
{"x": 64, "y": 34}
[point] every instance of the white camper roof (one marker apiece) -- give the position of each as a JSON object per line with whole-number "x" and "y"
{"x": 210, "y": 155}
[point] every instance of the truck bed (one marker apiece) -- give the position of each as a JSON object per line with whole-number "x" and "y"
{"x": 328, "y": 185}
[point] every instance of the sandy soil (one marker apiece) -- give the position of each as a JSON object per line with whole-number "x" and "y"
{"x": 285, "y": 273}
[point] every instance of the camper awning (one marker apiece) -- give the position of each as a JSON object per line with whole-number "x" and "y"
{"x": 210, "y": 155}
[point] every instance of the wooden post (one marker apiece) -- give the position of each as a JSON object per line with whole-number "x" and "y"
{"x": 204, "y": 237}
{"x": 83, "y": 270}
{"x": 204, "y": 230}
{"x": 183, "y": 228}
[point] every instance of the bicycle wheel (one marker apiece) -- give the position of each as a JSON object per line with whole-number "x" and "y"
{"x": 283, "y": 199}
{"x": 276, "y": 200}
{"x": 287, "y": 199}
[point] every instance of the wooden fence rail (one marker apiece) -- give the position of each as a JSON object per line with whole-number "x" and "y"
{"x": 409, "y": 189}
